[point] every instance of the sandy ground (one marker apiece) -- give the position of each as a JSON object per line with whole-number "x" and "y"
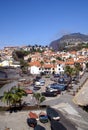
{"x": 17, "y": 121}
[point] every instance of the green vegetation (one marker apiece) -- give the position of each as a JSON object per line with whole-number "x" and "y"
{"x": 69, "y": 71}
{"x": 87, "y": 66}
{"x": 78, "y": 68}
{"x": 59, "y": 58}
{"x": 14, "y": 96}
{"x": 24, "y": 66}
{"x": 39, "y": 98}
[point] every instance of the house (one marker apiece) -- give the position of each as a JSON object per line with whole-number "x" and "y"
{"x": 60, "y": 67}
{"x": 4, "y": 63}
{"x": 34, "y": 67}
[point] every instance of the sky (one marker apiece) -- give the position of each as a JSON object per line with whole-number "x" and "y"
{"x": 30, "y": 22}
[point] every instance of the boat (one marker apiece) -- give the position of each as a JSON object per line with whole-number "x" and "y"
{"x": 43, "y": 118}
{"x": 52, "y": 114}
{"x": 33, "y": 115}
{"x": 32, "y": 122}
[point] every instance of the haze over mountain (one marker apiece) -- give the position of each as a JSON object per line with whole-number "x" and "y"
{"x": 72, "y": 38}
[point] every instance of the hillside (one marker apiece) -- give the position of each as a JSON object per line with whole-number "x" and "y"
{"x": 70, "y": 39}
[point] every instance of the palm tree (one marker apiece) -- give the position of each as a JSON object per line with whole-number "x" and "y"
{"x": 70, "y": 72}
{"x": 18, "y": 94}
{"x": 24, "y": 66}
{"x": 78, "y": 68}
{"x": 87, "y": 66}
{"x": 42, "y": 63}
{"x": 7, "y": 97}
{"x": 13, "y": 96}
{"x": 39, "y": 98}
{"x": 54, "y": 61}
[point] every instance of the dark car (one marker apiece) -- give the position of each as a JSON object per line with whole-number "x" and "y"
{"x": 61, "y": 80}
{"x": 49, "y": 94}
{"x": 56, "y": 75}
{"x": 52, "y": 114}
{"x": 60, "y": 87}
{"x": 36, "y": 88}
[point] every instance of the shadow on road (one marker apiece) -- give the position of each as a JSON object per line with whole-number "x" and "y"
{"x": 55, "y": 125}
{"x": 39, "y": 127}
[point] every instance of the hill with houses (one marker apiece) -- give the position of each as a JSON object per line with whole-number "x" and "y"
{"x": 46, "y": 60}
{"x": 68, "y": 41}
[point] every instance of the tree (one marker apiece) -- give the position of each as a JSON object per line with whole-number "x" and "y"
{"x": 78, "y": 68}
{"x": 29, "y": 59}
{"x": 42, "y": 63}
{"x": 13, "y": 96}
{"x": 39, "y": 98}
{"x": 7, "y": 98}
{"x": 87, "y": 66}
{"x": 53, "y": 61}
{"x": 59, "y": 58}
{"x": 24, "y": 66}
{"x": 70, "y": 72}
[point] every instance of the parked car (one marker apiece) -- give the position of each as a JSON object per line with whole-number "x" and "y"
{"x": 49, "y": 94}
{"x": 60, "y": 87}
{"x": 36, "y": 87}
{"x": 52, "y": 90}
{"x": 56, "y": 75}
{"x": 40, "y": 82}
{"x": 37, "y": 83}
{"x": 61, "y": 80}
{"x": 52, "y": 114}
{"x": 28, "y": 91}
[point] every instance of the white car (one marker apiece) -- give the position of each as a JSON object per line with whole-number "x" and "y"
{"x": 40, "y": 82}
{"x": 51, "y": 89}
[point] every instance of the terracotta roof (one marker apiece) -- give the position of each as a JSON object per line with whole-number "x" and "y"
{"x": 49, "y": 66}
{"x": 60, "y": 62}
{"x": 35, "y": 63}
{"x": 69, "y": 63}
{"x": 73, "y": 52}
{"x": 71, "y": 60}
{"x": 80, "y": 61}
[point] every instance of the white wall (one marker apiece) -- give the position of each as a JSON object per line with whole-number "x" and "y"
{"x": 34, "y": 70}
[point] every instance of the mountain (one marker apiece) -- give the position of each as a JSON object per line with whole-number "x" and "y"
{"x": 70, "y": 39}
